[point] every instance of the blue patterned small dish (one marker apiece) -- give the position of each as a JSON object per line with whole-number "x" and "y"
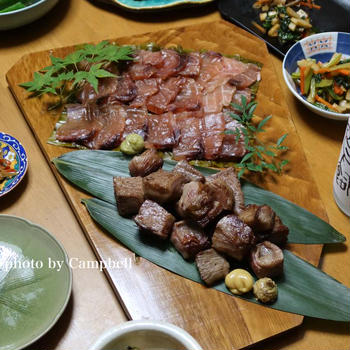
{"x": 14, "y": 152}
{"x": 320, "y": 47}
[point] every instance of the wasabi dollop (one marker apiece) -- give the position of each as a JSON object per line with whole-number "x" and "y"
{"x": 133, "y": 144}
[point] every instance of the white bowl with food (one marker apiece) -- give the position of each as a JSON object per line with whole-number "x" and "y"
{"x": 16, "y": 13}
{"x": 145, "y": 334}
{"x": 317, "y": 72}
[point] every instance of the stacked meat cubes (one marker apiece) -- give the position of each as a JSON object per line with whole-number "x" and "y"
{"x": 204, "y": 217}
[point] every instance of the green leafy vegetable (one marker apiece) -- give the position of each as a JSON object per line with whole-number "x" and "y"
{"x": 260, "y": 157}
{"x": 67, "y": 75}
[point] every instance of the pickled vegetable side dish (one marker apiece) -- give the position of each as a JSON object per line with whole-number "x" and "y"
{"x": 326, "y": 85}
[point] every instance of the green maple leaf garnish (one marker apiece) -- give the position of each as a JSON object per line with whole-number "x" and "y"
{"x": 64, "y": 77}
{"x": 260, "y": 157}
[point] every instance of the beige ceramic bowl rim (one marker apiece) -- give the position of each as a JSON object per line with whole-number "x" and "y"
{"x": 27, "y": 8}
{"x": 173, "y": 331}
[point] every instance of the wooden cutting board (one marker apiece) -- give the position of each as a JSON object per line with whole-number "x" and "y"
{"x": 218, "y": 321}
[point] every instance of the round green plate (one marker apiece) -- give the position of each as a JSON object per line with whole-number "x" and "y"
{"x": 33, "y": 294}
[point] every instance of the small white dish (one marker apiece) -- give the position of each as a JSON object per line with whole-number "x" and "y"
{"x": 321, "y": 47}
{"x": 18, "y": 18}
{"x": 146, "y": 335}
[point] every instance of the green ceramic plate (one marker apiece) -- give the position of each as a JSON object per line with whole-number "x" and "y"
{"x": 33, "y": 294}
{"x": 149, "y": 5}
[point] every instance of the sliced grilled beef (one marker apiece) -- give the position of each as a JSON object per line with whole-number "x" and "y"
{"x": 246, "y": 78}
{"x": 172, "y": 63}
{"x": 198, "y": 203}
{"x": 80, "y": 126}
{"x": 145, "y": 89}
{"x": 229, "y": 176}
{"x": 188, "y": 136}
{"x": 111, "y": 118}
{"x": 212, "y": 266}
{"x": 188, "y": 171}
{"x": 193, "y": 65}
{"x": 106, "y": 87}
{"x": 233, "y": 149}
{"x": 125, "y": 89}
{"x": 188, "y": 99}
{"x": 154, "y": 219}
{"x": 212, "y": 129}
{"x": 135, "y": 122}
{"x": 163, "y": 186}
{"x": 168, "y": 90}
{"x": 189, "y": 239}
{"x": 146, "y": 163}
{"x": 233, "y": 237}
{"x": 161, "y": 133}
{"x": 266, "y": 260}
{"x": 129, "y": 194}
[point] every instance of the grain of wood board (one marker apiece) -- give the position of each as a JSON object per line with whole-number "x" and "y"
{"x": 146, "y": 291}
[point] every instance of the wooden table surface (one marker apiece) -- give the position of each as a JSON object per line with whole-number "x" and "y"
{"x": 93, "y": 307}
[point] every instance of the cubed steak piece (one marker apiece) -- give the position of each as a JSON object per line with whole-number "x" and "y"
{"x": 197, "y": 203}
{"x": 222, "y": 192}
{"x": 189, "y": 172}
{"x": 265, "y": 218}
{"x": 266, "y": 260}
{"x": 163, "y": 186}
{"x": 188, "y": 239}
{"x": 260, "y": 218}
{"x": 154, "y": 219}
{"x": 212, "y": 266}
{"x": 247, "y": 215}
{"x": 233, "y": 237}
{"x": 146, "y": 163}
{"x": 129, "y": 194}
{"x": 279, "y": 233}
{"x": 267, "y": 226}
{"x": 229, "y": 176}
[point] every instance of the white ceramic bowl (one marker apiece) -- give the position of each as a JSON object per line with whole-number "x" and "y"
{"x": 146, "y": 335}
{"x": 321, "y": 47}
{"x": 18, "y": 18}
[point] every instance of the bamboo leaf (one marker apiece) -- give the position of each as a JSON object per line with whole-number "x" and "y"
{"x": 93, "y": 171}
{"x": 303, "y": 289}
